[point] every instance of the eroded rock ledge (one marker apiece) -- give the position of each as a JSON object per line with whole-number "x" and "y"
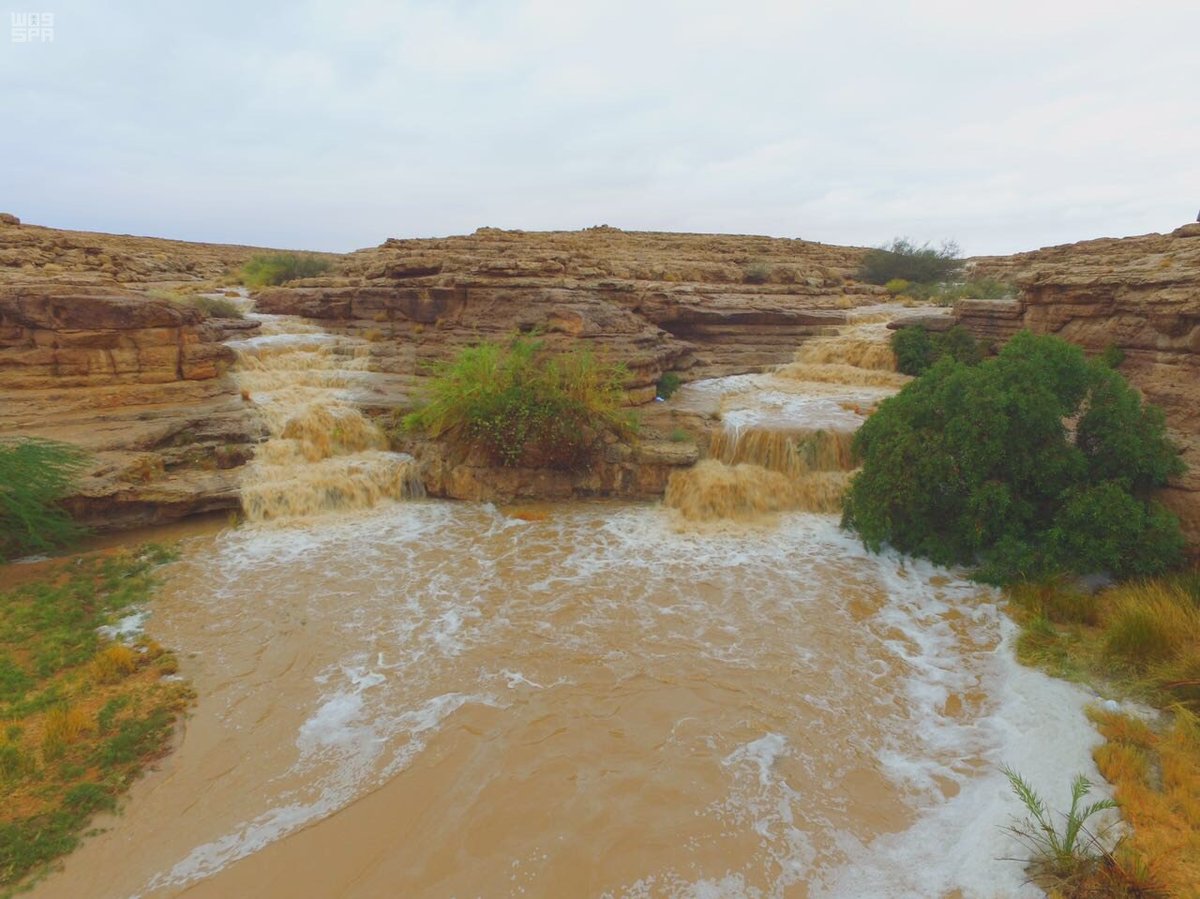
{"x": 1139, "y": 294}
{"x": 141, "y": 384}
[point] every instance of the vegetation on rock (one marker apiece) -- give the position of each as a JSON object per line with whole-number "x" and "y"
{"x": 34, "y": 476}
{"x": 667, "y": 385}
{"x": 1034, "y": 462}
{"x": 269, "y": 269}
{"x": 524, "y": 405}
{"x": 904, "y": 260}
{"x": 83, "y": 712}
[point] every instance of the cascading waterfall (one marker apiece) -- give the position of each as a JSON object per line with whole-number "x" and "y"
{"x": 787, "y": 441}
{"x": 322, "y": 455}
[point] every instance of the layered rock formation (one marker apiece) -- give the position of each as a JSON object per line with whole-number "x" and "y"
{"x": 1139, "y": 294}
{"x": 141, "y": 384}
{"x": 704, "y": 305}
{"x": 87, "y": 357}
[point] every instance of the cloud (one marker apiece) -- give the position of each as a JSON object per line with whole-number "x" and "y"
{"x": 334, "y": 125}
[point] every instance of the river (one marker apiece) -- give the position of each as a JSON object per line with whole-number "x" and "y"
{"x": 720, "y": 696}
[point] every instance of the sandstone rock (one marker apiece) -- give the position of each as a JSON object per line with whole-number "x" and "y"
{"x": 1140, "y": 294}
{"x": 138, "y": 383}
{"x": 7, "y": 218}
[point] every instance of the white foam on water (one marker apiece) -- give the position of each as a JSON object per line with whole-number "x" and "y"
{"x": 337, "y": 724}
{"x": 419, "y": 596}
{"x": 131, "y": 625}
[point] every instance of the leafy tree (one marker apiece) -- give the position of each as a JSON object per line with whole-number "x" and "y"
{"x": 525, "y": 406}
{"x": 916, "y": 349}
{"x": 34, "y": 476}
{"x": 1034, "y": 462}
{"x": 903, "y": 259}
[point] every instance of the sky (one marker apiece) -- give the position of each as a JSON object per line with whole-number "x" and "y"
{"x": 327, "y": 125}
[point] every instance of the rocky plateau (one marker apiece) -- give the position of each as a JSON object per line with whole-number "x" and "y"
{"x": 92, "y": 351}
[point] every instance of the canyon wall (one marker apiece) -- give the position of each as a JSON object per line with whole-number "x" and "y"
{"x": 88, "y": 357}
{"x": 702, "y": 305}
{"x": 1138, "y": 294}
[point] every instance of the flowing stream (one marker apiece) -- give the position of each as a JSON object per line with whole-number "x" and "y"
{"x": 720, "y": 696}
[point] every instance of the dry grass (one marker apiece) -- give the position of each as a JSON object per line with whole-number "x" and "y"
{"x": 1139, "y": 640}
{"x": 1156, "y": 782}
{"x": 113, "y": 663}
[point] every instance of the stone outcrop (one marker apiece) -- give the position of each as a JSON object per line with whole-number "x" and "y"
{"x": 139, "y": 383}
{"x": 702, "y": 305}
{"x": 1139, "y": 294}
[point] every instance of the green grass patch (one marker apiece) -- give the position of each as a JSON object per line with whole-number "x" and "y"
{"x": 83, "y": 714}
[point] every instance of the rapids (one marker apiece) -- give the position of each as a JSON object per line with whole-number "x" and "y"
{"x": 426, "y": 698}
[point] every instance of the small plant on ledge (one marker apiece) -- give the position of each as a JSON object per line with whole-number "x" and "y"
{"x": 524, "y": 405}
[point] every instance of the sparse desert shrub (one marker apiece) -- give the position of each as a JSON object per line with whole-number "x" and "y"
{"x": 903, "y": 259}
{"x": 215, "y": 307}
{"x": 896, "y": 286}
{"x": 524, "y": 405}
{"x": 113, "y": 663}
{"x": 668, "y": 383}
{"x": 268, "y": 269}
{"x": 34, "y": 477}
{"x": 756, "y": 273}
{"x": 976, "y": 465}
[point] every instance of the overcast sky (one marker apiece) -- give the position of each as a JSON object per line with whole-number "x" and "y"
{"x": 332, "y": 125}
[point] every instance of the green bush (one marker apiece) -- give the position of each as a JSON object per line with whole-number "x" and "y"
{"x": 977, "y": 465}
{"x": 916, "y": 349}
{"x": 34, "y": 476}
{"x": 896, "y": 286}
{"x": 905, "y": 260}
{"x": 268, "y": 269}
{"x": 667, "y": 385}
{"x": 524, "y": 405}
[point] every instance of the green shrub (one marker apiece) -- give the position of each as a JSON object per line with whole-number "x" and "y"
{"x": 268, "y": 269}
{"x": 905, "y": 260}
{"x": 34, "y": 476}
{"x": 524, "y": 405}
{"x": 976, "y": 465}
{"x": 896, "y": 286}
{"x": 667, "y": 385}
{"x": 916, "y": 349}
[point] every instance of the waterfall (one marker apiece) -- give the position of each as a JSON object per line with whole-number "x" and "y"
{"x": 788, "y": 435}
{"x": 322, "y": 454}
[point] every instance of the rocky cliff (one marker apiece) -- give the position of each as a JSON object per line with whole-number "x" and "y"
{"x": 88, "y": 357}
{"x": 703, "y": 305}
{"x": 1139, "y": 294}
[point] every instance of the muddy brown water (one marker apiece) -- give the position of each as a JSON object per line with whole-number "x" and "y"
{"x": 424, "y": 698}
